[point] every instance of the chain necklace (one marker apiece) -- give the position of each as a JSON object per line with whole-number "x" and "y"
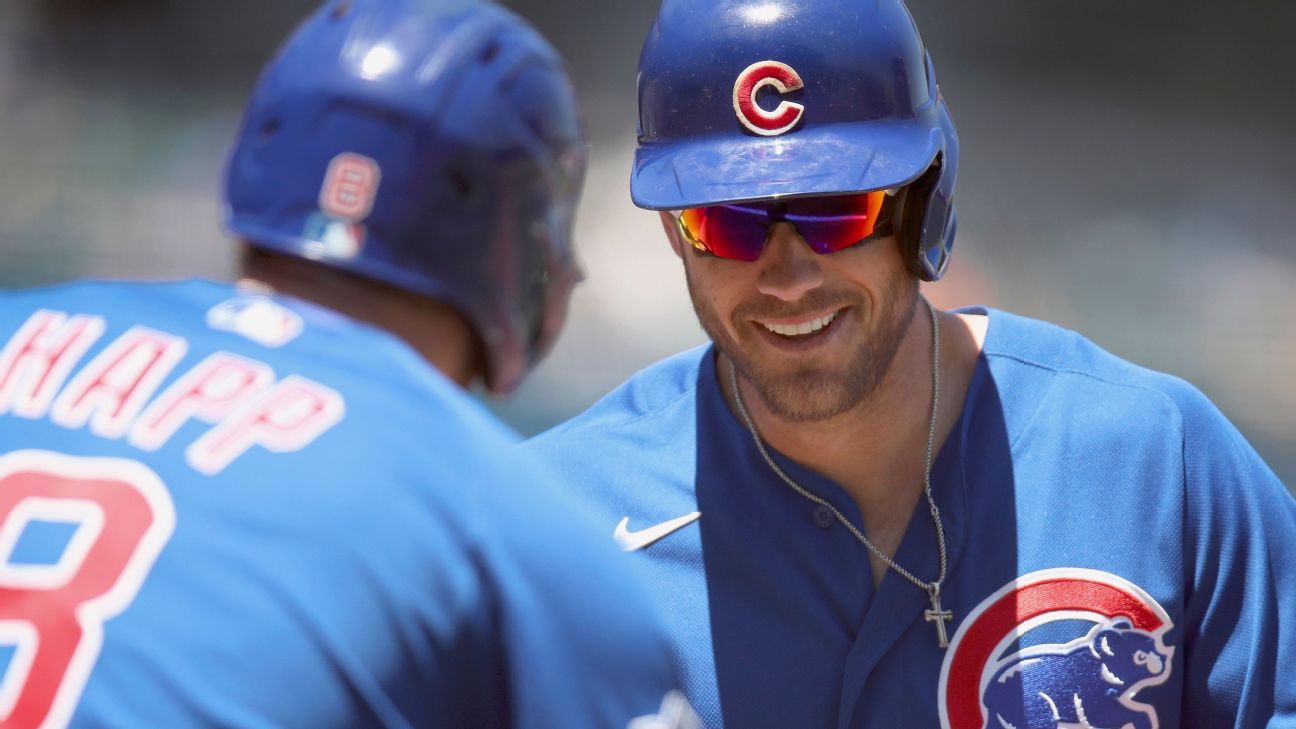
{"x": 934, "y": 614}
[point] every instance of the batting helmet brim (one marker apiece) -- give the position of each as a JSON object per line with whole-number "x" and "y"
{"x": 829, "y": 159}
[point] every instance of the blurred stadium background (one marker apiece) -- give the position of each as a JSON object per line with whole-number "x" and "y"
{"x": 1126, "y": 172}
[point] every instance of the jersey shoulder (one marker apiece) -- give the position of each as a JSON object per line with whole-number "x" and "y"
{"x": 660, "y": 392}
{"x": 1016, "y": 344}
{"x": 198, "y": 339}
{"x": 1049, "y": 376}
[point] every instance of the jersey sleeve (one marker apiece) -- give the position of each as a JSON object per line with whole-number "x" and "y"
{"x": 1240, "y": 632}
{"x": 581, "y": 637}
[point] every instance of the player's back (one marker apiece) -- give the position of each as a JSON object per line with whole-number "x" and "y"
{"x": 224, "y": 509}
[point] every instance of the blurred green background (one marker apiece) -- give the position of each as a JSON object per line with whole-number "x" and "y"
{"x": 1126, "y": 172}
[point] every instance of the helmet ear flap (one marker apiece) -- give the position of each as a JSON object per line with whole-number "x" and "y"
{"x": 924, "y": 226}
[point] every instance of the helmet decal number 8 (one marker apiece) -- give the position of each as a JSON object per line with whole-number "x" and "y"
{"x": 756, "y": 77}
{"x": 350, "y": 186}
{"x": 55, "y": 613}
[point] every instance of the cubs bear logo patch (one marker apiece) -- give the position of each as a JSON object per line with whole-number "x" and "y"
{"x": 989, "y": 681}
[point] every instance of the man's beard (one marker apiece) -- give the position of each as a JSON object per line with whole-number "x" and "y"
{"x": 812, "y": 393}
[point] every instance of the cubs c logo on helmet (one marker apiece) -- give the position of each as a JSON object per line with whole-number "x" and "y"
{"x": 753, "y": 79}
{"x": 1091, "y": 680}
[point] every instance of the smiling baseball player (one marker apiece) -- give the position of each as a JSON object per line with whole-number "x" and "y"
{"x": 866, "y": 512}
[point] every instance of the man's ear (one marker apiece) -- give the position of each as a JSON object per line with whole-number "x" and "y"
{"x": 672, "y": 233}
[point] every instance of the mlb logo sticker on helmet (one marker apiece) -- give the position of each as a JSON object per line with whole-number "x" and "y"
{"x": 756, "y": 77}
{"x": 350, "y": 186}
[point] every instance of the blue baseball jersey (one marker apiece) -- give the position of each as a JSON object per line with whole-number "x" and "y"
{"x": 1118, "y": 554}
{"x": 222, "y": 508}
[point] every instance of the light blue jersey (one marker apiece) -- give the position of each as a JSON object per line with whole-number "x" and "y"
{"x": 220, "y": 509}
{"x": 1118, "y": 554}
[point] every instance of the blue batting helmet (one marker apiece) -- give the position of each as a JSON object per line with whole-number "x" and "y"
{"x": 429, "y": 144}
{"x": 743, "y": 100}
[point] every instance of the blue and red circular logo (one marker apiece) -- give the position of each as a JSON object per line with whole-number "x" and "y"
{"x": 1089, "y": 681}
{"x": 756, "y": 77}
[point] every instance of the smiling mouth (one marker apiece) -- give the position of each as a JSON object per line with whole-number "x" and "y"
{"x": 808, "y": 328}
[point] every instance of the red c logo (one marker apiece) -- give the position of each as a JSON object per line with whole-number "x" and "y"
{"x": 753, "y": 79}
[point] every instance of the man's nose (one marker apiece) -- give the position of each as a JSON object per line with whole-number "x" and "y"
{"x": 788, "y": 267}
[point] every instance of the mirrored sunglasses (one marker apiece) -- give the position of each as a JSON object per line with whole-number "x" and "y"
{"x": 828, "y": 224}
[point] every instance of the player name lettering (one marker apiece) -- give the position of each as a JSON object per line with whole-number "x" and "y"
{"x": 116, "y": 393}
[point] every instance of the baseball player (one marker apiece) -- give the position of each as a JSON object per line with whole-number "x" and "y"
{"x": 242, "y": 507}
{"x": 870, "y": 513}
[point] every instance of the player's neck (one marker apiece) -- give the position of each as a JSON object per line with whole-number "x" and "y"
{"x": 438, "y": 332}
{"x": 877, "y": 450}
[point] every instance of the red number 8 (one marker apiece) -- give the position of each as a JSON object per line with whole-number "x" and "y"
{"x": 55, "y": 613}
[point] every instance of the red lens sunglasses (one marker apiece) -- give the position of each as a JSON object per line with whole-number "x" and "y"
{"x": 828, "y": 224}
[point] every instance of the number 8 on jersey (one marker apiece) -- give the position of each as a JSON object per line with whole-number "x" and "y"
{"x": 53, "y": 615}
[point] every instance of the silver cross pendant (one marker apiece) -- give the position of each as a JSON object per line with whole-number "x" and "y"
{"x": 938, "y": 616}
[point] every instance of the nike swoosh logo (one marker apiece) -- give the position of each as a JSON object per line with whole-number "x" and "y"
{"x": 631, "y": 541}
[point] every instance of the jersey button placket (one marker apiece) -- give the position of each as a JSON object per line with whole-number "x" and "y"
{"x": 823, "y": 516}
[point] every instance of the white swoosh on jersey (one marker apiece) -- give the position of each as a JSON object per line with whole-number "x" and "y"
{"x": 630, "y": 541}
